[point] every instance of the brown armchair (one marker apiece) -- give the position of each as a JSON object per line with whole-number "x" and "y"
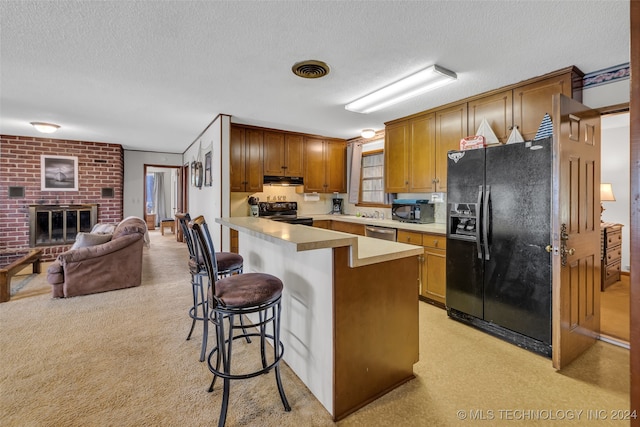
{"x": 116, "y": 264}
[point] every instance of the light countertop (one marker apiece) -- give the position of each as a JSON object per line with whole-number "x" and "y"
{"x": 434, "y": 228}
{"x": 364, "y": 250}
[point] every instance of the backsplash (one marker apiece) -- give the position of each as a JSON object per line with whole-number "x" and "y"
{"x": 274, "y": 193}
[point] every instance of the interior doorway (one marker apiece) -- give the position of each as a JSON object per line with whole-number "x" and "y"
{"x": 162, "y": 193}
{"x": 615, "y": 170}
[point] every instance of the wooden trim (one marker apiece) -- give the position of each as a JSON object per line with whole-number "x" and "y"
{"x": 634, "y": 120}
{"x": 612, "y": 109}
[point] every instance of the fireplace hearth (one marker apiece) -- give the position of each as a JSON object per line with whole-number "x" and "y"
{"x": 55, "y": 225}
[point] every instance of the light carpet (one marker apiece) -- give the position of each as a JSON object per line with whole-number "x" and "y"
{"x": 121, "y": 359}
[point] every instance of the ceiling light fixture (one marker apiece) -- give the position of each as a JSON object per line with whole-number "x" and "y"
{"x": 368, "y": 133}
{"x": 45, "y": 127}
{"x": 413, "y": 85}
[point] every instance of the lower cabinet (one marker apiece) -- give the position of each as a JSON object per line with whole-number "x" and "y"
{"x": 433, "y": 265}
{"x": 348, "y": 227}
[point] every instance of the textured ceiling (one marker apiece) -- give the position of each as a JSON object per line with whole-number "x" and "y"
{"x": 150, "y": 75}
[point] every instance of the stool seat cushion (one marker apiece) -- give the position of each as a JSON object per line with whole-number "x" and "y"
{"x": 226, "y": 261}
{"x": 248, "y": 290}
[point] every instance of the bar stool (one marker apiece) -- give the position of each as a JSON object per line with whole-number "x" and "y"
{"x": 236, "y": 296}
{"x": 227, "y": 263}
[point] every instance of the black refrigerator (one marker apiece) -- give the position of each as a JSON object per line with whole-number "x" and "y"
{"x": 498, "y": 228}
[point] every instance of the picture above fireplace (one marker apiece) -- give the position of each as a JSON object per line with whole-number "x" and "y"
{"x": 59, "y": 173}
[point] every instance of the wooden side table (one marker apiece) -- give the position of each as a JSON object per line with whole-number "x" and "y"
{"x": 167, "y": 223}
{"x": 611, "y": 245}
{"x": 151, "y": 221}
{"x": 12, "y": 262}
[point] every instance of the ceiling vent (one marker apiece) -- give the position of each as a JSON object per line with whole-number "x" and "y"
{"x": 310, "y": 69}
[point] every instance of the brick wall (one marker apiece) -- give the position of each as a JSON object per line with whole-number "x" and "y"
{"x": 100, "y": 165}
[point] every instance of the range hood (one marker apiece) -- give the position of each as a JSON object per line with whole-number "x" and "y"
{"x": 283, "y": 180}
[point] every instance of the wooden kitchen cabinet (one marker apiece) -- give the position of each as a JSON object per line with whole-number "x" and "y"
{"x": 396, "y": 157}
{"x": 246, "y": 147}
{"x": 451, "y": 127}
{"x": 325, "y": 165}
{"x": 532, "y": 101}
{"x": 433, "y": 271}
{"x": 322, "y": 223}
{"x": 348, "y": 227}
{"x": 611, "y": 245}
{"x": 497, "y": 109}
{"x": 283, "y": 154}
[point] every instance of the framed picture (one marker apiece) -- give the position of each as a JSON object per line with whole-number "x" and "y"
{"x": 207, "y": 169}
{"x": 58, "y": 173}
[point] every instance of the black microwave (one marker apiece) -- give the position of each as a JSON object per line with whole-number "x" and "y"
{"x": 413, "y": 210}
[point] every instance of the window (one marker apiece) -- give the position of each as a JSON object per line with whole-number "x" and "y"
{"x": 372, "y": 178}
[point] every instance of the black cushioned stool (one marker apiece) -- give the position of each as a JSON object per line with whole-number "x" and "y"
{"x": 227, "y": 263}
{"x": 233, "y": 297}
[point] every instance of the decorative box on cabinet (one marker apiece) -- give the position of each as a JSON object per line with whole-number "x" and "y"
{"x": 611, "y": 244}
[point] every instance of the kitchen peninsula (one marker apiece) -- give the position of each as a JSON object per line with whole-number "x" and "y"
{"x": 349, "y": 307}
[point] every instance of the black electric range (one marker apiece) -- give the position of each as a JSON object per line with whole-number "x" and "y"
{"x": 282, "y": 211}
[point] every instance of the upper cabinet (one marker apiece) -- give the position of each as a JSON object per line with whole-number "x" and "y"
{"x": 258, "y": 152}
{"x": 246, "y": 159}
{"x": 497, "y": 109}
{"x": 396, "y": 157}
{"x": 409, "y": 155}
{"x": 325, "y": 163}
{"x": 451, "y": 127}
{"x": 283, "y": 154}
{"x": 532, "y": 101}
{"x": 416, "y": 146}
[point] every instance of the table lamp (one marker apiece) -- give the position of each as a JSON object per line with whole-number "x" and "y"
{"x": 606, "y": 195}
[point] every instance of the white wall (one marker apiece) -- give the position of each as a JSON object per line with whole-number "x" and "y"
{"x": 615, "y": 169}
{"x": 134, "y": 161}
{"x": 208, "y": 201}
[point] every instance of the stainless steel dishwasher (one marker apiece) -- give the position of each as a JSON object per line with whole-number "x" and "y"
{"x": 383, "y": 233}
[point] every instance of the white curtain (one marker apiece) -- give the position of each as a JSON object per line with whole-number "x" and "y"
{"x": 158, "y": 197}
{"x": 354, "y": 176}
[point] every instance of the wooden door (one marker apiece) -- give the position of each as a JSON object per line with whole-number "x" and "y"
{"x": 396, "y": 151}
{"x": 575, "y": 230}
{"x": 236, "y": 161}
{"x": 294, "y": 155}
{"x": 451, "y": 127}
{"x": 335, "y": 167}
{"x": 314, "y": 165}
{"x": 254, "y": 176}
{"x": 497, "y": 109}
{"x": 421, "y": 154}
{"x": 274, "y": 155}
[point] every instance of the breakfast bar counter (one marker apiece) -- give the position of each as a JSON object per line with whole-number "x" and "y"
{"x": 349, "y": 307}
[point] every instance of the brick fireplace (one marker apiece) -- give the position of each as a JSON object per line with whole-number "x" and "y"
{"x": 100, "y": 184}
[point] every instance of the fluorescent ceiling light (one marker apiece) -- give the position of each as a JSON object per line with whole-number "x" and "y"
{"x": 45, "y": 127}
{"x": 413, "y": 85}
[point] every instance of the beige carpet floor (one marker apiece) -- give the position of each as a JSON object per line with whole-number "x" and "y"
{"x": 121, "y": 359}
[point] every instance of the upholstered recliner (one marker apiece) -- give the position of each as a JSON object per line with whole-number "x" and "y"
{"x": 116, "y": 264}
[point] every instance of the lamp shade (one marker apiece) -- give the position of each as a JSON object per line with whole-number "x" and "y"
{"x": 606, "y": 193}
{"x": 413, "y": 85}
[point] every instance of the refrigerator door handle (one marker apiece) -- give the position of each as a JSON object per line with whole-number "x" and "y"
{"x": 485, "y": 223}
{"x": 478, "y": 237}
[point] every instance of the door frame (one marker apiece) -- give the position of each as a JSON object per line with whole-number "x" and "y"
{"x": 179, "y": 187}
